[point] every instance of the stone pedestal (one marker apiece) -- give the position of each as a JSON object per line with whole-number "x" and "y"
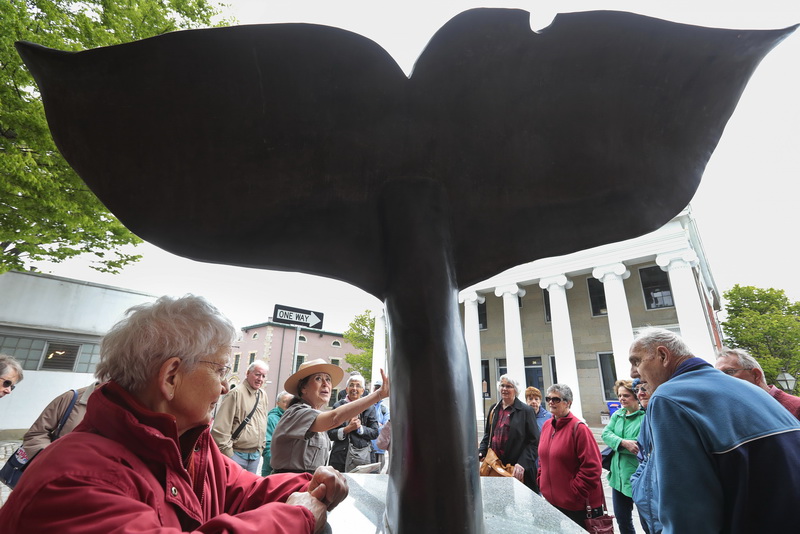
{"x": 509, "y": 508}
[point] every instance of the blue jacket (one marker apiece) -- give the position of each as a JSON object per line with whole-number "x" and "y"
{"x": 726, "y": 454}
{"x": 382, "y": 415}
{"x": 644, "y": 483}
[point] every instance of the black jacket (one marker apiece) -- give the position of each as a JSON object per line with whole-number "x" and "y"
{"x": 339, "y": 450}
{"x": 523, "y": 439}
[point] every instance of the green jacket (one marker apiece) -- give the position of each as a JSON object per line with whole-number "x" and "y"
{"x": 622, "y": 426}
{"x": 273, "y": 417}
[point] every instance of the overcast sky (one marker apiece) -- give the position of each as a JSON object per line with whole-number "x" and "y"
{"x": 746, "y": 206}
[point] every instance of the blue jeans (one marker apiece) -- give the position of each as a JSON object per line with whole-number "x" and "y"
{"x": 247, "y": 464}
{"x": 623, "y": 509}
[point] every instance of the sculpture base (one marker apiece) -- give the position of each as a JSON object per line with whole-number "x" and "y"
{"x": 508, "y": 506}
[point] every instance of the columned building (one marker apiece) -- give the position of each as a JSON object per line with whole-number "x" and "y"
{"x": 571, "y": 319}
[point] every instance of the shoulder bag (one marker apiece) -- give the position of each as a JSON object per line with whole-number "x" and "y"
{"x": 246, "y": 420}
{"x": 491, "y": 466}
{"x": 19, "y": 461}
{"x": 602, "y": 524}
{"x": 357, "y": 455}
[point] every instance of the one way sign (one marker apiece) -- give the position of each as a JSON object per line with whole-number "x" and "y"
{"x": 296, "y": 316}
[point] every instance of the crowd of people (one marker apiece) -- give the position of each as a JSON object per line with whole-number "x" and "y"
{"x": 694, "y": 447}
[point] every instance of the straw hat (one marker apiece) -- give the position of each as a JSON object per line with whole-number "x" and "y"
{"x": 313, "y": 367}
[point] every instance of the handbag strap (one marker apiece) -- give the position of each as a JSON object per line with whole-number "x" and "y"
{"x": 247, "y": 419}
{"x": 54, "y": 435}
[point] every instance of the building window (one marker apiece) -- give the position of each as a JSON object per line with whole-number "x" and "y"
{"x": 597, "y": 297}
{"x": 519, "y": 301}
{"x": 482, "y": 324}
{"x": 553, "y": 373}
{"x": 88, "y": 359}
{"x": 27, "y": 351}
{"x": 608, "y": 374}
{"x": 60, "y": 357}
{"x": 252, "y": 358}
{"x": 300, "y": 360}
{"x": 236, "y": 358}
{"x": 656, "y": 288}
{"x": 255, "y": 335}
{"x": 335, "y": 361}
{"x": 485, "y": 382}
{"x": 533, "y": 372}
{"x": 546, "y": 297}
{"x": 334, "y": 397}
{"x": 302, "y": 338}
{"x": 336, "y": 343}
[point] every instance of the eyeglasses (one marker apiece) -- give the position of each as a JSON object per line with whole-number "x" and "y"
{"x": 554, "y": 400}
{"x": 731, "y": 372}
{"x": 8, "y": 384}
{"x": 222, "y": 370}
{"x": 640, "y": 389}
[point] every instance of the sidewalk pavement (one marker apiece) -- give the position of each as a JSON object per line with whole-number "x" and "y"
{"x": 7, "y": 448}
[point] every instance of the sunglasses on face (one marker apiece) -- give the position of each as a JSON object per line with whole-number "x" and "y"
{"x": 554, "y": 400}
{"x": 8, "y": 384}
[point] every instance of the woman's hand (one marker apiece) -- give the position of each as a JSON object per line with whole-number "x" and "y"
{"x": 384, "y": 391}
{"x": 630, "y": 445}
{"x": 329, "y": 486}
{"x": 519, "y": 473}
{"x": 313, "y": 504}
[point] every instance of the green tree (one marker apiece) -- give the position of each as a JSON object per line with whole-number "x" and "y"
{"x": 767, "y": 324}
{"x": 46, "y": 211}
{"x": 360, "y": 334}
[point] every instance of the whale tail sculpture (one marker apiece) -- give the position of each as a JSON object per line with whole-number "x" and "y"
{"x": 306, "y": 148}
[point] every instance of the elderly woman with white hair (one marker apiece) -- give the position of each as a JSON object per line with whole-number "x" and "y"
{"x": 569, "y": 459}
{"x": 10, "y": 374}
{"x": 512, "y": 433}
{"x": 143, "y": 459}
{"x": 352, "y": 439}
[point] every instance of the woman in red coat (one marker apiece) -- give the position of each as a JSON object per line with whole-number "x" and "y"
{"x": 569, "y": 459}
{"x": 142, "y": 459}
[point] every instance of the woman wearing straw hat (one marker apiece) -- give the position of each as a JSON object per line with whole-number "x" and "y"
{"x": 300, "y": 442}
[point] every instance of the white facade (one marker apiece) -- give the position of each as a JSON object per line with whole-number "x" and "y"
{"x": 45, "y": 316}
{"x": 571, "y": 318}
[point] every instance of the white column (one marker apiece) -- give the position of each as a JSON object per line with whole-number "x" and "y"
{"x": 472, "y": 335}
{"x": 563, "y": 345}
{"x": 619, "y": 316}
{"x": 515, "y": 356}
{"x": 378, "y": 347}
{"x": 688, "y": 304}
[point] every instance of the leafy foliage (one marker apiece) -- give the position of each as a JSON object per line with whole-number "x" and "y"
{"x": 46, "y": 211}
{"x": 767, "y": 324}
{"x": 360, "y": 334}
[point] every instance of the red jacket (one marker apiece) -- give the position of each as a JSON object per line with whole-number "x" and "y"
{"x": 120, "y": 471}
{"x": 569, "y": 464}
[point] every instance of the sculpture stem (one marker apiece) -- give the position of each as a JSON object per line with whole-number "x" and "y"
{"x": 434, "y": 484}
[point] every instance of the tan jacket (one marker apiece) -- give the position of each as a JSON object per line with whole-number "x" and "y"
{"x": 36, "y": 438}
{"x": 234, "y": 408}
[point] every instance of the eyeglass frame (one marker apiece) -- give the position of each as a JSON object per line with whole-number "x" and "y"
{"x": 9, "y": 384}
{"x": 222, "y": 366}
{"x": 731, "y": 372}
{"x": 554, "y": 400}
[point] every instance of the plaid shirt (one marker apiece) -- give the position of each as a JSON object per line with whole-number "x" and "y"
{"x": 500, "y": 432}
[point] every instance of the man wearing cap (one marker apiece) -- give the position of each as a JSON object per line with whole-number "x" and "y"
{"x": 382, "y": 415}
{"x": 300, "y": 442}
{"x": 240, "y": 427}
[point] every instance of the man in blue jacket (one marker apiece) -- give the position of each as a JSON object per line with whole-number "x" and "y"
{"x": 725, "y": 454}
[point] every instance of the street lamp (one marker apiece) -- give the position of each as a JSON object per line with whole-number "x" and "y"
{"x": 786, "y": 381}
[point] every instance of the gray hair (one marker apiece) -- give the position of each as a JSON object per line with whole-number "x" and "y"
{"x": 256, "y": 363}
{"x": 8, "y": 362}
{"x": 281, "y": 395}
{"x": 512, "y": 381}
{"x": 353, "y": 378}
{"x": 135, "y": 348}
{"x": 562, "y": 389}
{"x": 651, "y": 337}
{"x": 745, "y": 359}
